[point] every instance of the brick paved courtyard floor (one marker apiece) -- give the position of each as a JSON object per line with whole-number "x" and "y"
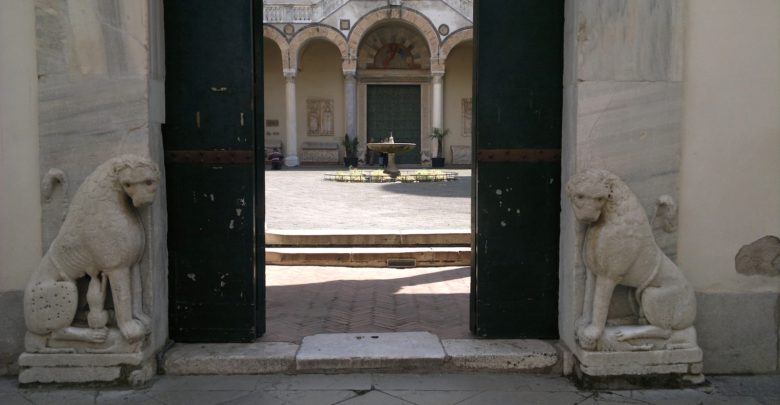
{"x": 303, "y": 301}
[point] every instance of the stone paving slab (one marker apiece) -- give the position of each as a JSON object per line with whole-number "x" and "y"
{"x": 230, "y": 358}
{"x": 501, "y": 354}
{"x": 416, "y": 389}
{"x": 374, "y": 351}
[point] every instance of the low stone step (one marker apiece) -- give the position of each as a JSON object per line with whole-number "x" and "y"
{"x": 387, "y": 238}
{"x": 369, "y": 256}
{"x": 357, "y": 352}
{"x": 230, "y": 358}
{"x": 338, "y": 352}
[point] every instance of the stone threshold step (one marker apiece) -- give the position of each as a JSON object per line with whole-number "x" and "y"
{"x": 358, "y": 352}
{"x": 369, "y": 256}
{"x": 341, "y": 237}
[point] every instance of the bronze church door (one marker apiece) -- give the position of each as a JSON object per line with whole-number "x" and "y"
{"x": 214, "y": 178}
{"x": 396, "y": 109}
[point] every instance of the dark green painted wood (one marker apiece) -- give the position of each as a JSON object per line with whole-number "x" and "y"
{"x": 395, "y": 108}
{"x": 257, "y": 67}
{"x": 518, "y": 72}
{"x": 212, "y": 208}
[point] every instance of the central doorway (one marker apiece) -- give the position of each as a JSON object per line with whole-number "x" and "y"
{"x": 395, "y": 109}
{"x": 214, "y": 140}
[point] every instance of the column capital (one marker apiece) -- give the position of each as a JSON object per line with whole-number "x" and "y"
{"x": 350, "y": 74}
{"x": 289, "y": 75}
{"x": 437, "y": 77}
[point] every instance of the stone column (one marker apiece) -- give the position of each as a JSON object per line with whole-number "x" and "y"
{"x": 438, "y": 106}
{"x": 350, "y": 102}
{"x": 291, "y": 144}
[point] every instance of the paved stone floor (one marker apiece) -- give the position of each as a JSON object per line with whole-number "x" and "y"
{"x": 392, "y": 389}
{"x": 300, "y": 198}
{"x": 303, "y": 301}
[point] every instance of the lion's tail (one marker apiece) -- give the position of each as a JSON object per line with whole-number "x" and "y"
{"x": 51, "y": 180}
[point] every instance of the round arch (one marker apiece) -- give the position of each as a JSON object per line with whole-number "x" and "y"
{"x": 408, "y": 16}
{"x": 325, "y": 32}
{"x": 455, "y": 39}
{"x": 275, "y": 35}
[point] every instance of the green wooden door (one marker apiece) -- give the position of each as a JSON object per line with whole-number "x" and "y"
{"x": 396, "y": 109}
{"x": 518, "y": 76}
{"x": 214, "y": 185}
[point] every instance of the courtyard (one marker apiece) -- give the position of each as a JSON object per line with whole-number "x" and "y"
{"x": 306, "y": 300}
{"x": 301, "y": 199}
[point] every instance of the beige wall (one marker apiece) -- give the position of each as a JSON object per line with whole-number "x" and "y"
{"x": 457, "y": 86}
{"x": 273, "y": 89}
{"x": 320, "y": 76}
{"x": 730, "y": 180}
{"x": 20, "y": 206}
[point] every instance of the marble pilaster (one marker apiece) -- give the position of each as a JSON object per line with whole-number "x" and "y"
{"x": 100, "y": 96}
{"x": 291, "y": 145}
{"x": 350, "y": 102}
{"x": 437, "y": 81}
{"x": 622, "y": 112}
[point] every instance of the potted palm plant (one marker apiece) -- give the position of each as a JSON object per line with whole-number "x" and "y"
{"x": 350, "y": 151}
{"x": 439, "y": 134}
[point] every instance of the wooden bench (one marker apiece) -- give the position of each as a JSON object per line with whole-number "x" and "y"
{"x": 461, "y": 154}
{"x": 320, "y": 152}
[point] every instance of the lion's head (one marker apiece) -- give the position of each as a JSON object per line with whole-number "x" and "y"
{"x": 590, "y": 191}
{"x": 138, "y": 177}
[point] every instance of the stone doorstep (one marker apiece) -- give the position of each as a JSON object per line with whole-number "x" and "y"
{"x": 368, "y": 257}
{"x": 388, "y": 238}
{"x": 354, "y": 352}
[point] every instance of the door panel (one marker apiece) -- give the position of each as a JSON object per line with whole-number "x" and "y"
{"x": 212, "y": 181}
{"x": 396, "y": 109}
{"x": 516, "y": 186}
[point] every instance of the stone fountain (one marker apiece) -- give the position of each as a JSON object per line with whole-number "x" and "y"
{"x": 391, "y": 148}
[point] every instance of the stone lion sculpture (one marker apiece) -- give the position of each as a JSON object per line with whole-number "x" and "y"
{"x": 103, "y": 238}
{"x": 619, "y": 250}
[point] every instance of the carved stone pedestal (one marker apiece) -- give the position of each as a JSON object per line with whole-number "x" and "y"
{"x": 654, "y": 368}
{"x": 77, "y": 368}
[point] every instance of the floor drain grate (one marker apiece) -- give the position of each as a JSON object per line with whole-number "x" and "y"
{"x": 401, "y": 263}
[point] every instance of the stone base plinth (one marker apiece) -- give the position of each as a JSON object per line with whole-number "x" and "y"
{"x": 654, "y": 368}
{"x": 59, "y": 368}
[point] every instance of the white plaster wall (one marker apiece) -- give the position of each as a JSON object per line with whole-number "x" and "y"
{"x": 457, "y": 86}
{"x": 20, "y": 206}
{"x": 273, "y": 91}
{"x": 320, "y": 76}
{"x": 730, "y": 192}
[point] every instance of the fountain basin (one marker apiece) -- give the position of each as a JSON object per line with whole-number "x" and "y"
{"x": 386, "y": 147}
{"x": 391, "y": 148}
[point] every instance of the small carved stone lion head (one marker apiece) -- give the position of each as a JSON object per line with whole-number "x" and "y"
{"x": 139, "y": 178}
{"x": 589, "y": 192}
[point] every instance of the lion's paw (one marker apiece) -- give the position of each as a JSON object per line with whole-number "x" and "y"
{"x": 132, "y": 330}
{"x": 589, "y": 336}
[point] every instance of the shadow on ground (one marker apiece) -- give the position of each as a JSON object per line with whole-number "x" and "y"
{"x": 460, "y": 188}
{"x": 435, "y": 300}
